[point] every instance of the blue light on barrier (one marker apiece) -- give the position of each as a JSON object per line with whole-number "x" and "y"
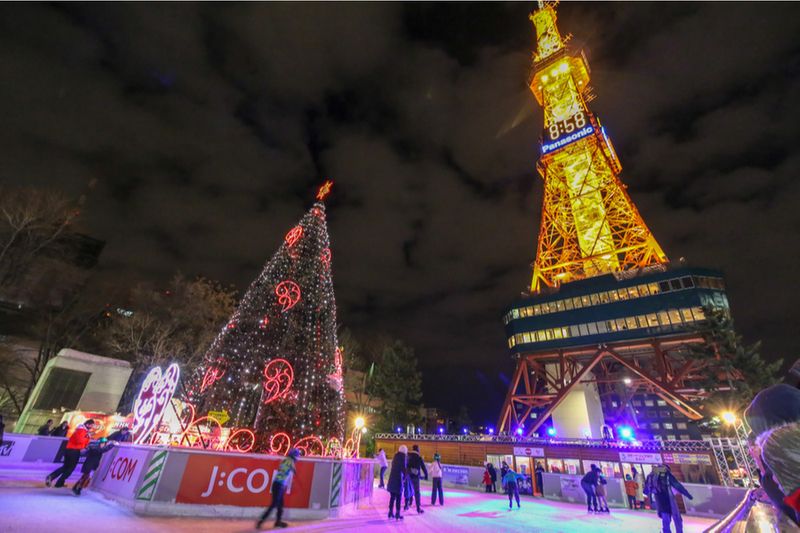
{"x": 491, "y": 431}
{"x": 441, "y": 430}
{"x": 464, "y": 431}
{"x": 399, "y": 429}
{"x": 551, "y": 431}
{"x": 519, "y": 431}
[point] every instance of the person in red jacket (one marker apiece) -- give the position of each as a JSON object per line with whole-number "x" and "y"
{"x": 79, "y": 440}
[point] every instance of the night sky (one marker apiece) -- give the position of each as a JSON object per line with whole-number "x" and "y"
{"x": 208, "y": 126}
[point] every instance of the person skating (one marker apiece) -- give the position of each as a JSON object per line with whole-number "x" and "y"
{"x": 659, "y": 485}
{"x": 280, "y": 483}
{"x": 511, "y": 486}
{"x": 589, "y": 486}
{"x": 416, "y": 468}
{"x": 487, "y": 479}
{"x": 44, "y": 429}
{"x": 630, "y": 491}
{"x": 93, "y": 453}
{"x": 436, "y": 476}
{"x": 503, "y": 471}
{"x": 60, "y": 430}
{"x": 121, "y": 435}
{"x": 493, "y": 475}
{"x": 396, "y": 482}
{"x": 638, "y": 477}
{"x": 79, "y": 440}
{"x": 539, "y": 471}
{"x": 384, "y": 464}
{"x": 600, "y": 490}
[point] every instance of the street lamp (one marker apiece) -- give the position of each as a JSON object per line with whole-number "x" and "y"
{"x": 729, "y": 417}
{"x": 359, "y": 422}
{"x": 627, "y": 381}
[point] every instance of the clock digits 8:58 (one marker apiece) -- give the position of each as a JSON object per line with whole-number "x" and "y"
{"x": 575, "y": 122}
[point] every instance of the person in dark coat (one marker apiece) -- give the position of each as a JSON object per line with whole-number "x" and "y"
{"x": 416, "y": 467}
{"x": 396, "y": 481}
{"x": 659, "y": 485}
{"x": 539, "y": 470}
{"x": 2, "y": 428}
{"x": 44, "y": 429}
{"x": 60, "y": 430}
{"x": 93, "y": 453}
{"x": 503, "y": 470}
{"x": 589, "y": 486}
{"x": 493, "y": 476}
{"x": 121, "y": 435}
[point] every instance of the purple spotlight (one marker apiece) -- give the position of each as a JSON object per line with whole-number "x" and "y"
{"x": 441, "y": 430}
{"x": 551, "y": 431}
{"x": 399, "y": 429}
{"x": 491, "y": 431}
{"x": 519, "y": 431}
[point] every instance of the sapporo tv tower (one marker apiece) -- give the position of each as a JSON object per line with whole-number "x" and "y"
{"x": 602, "y": 337}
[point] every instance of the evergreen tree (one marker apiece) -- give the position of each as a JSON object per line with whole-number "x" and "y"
{"x": 275, "y": 366}
{"x": 398, "y": 383}
{"x": 730, "y": 363}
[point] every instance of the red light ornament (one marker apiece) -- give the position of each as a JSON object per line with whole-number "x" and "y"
{"x": 325, "y": 190}
{"x": 310, "y": 446}
{"x": 288, "y": 293}
{"x": 153, "y": 398}
{"x": 280, "y": 443}
{"x": 279, "y": 377}
{"x": 213, "y": 374}
{"x": 294, "y": 235}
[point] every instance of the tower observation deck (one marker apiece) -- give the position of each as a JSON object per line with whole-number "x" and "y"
{"x": 608, "y": 318}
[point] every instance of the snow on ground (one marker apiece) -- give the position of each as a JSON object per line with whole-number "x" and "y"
{"x": 34, "y": 509}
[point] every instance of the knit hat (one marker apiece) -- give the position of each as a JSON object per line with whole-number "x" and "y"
{"x": 403, "y": 448}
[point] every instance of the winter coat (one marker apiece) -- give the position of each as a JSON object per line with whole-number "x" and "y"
{"x": 436, "y": 469}
{"x": 416, "y": 466}
{"x": 93, "y": 454}
{"x": 601, "y": 487}
{"x": 382, "y": 459}
{"x": 659, "y": 484}
{"x": 510, "y": 477}
{"x": 631, "y": 487}
{"x": 503, "y": 471}
{"x": 118, "y": 436}
{"x": 43, "y": 431}
{"x": 492, "y": 472}
{"x": 639, "y": 486}
{"x": 79, "y": 439}
{"x": 590, "y": 478}
{"x": 397, "y": 474}
{"x": 487, "y": 477}
{"x": 58, "y": 431}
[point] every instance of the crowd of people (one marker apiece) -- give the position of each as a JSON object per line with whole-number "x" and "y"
{"x": 407, "y": 468}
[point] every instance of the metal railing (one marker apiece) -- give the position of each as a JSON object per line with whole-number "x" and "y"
{"x": 666, "y": 445}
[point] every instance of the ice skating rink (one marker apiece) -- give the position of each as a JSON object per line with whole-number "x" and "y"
{"x": 57, "y": 510}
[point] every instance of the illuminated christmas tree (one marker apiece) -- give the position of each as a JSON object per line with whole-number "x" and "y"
{"x": 275, "y": 367}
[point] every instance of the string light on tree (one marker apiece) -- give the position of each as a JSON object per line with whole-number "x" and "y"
{"x": 279, "y": 348}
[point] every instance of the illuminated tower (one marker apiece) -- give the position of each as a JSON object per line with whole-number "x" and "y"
{"x": 605, "y": 329}
{"x": 589, "y": 223}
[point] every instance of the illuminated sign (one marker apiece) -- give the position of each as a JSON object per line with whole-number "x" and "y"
{"x": 153, "y": 398}
{"x": 564, "y": 141}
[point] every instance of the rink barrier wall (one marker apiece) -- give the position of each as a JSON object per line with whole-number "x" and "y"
{"x": 175, "y": 481}
{"x": 20, "y": 448}
{"x": 713, "y": 501}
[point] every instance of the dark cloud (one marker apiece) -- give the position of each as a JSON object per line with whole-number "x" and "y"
{"x": 207, "y": 125}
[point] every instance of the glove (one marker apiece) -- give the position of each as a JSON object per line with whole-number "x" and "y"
{"x": 690, "y": 496}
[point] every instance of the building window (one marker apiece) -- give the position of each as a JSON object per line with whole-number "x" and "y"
{"x": 661, "y": 403}
{"x": 643, "y": 290}
{"x": 681, "y": 425}
{"x": 651, "y": 414}
{"x": 668, "y": 425}
{"x": 665, "y": 414}
{"x": 654, "y": 425}
{"x": 649, "y": 403}
{"x": 675, "y": 284}
{"x": 592, "y": 328}
{"x": 687, "y": 282}
{"x": 637, "y": 403}
{"x": 663, "y": 286}
{"x": 675, "y": 316}
{"x": 685, "y": 437}
{"x": 614, "y": 403}
{"x": 568, "y": 304}
{"x": 671, "y": 437}
{"x": 63, "y": 389}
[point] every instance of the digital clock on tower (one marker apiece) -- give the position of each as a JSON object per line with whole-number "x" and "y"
{"x": 566, "y": 126}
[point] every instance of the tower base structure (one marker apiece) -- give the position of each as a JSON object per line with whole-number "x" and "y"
{"x": 626, "y": 336}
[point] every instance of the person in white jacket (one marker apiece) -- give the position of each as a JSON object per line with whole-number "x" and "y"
{"x": 383, "y": 463}
{"x": 436, "y": 476}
